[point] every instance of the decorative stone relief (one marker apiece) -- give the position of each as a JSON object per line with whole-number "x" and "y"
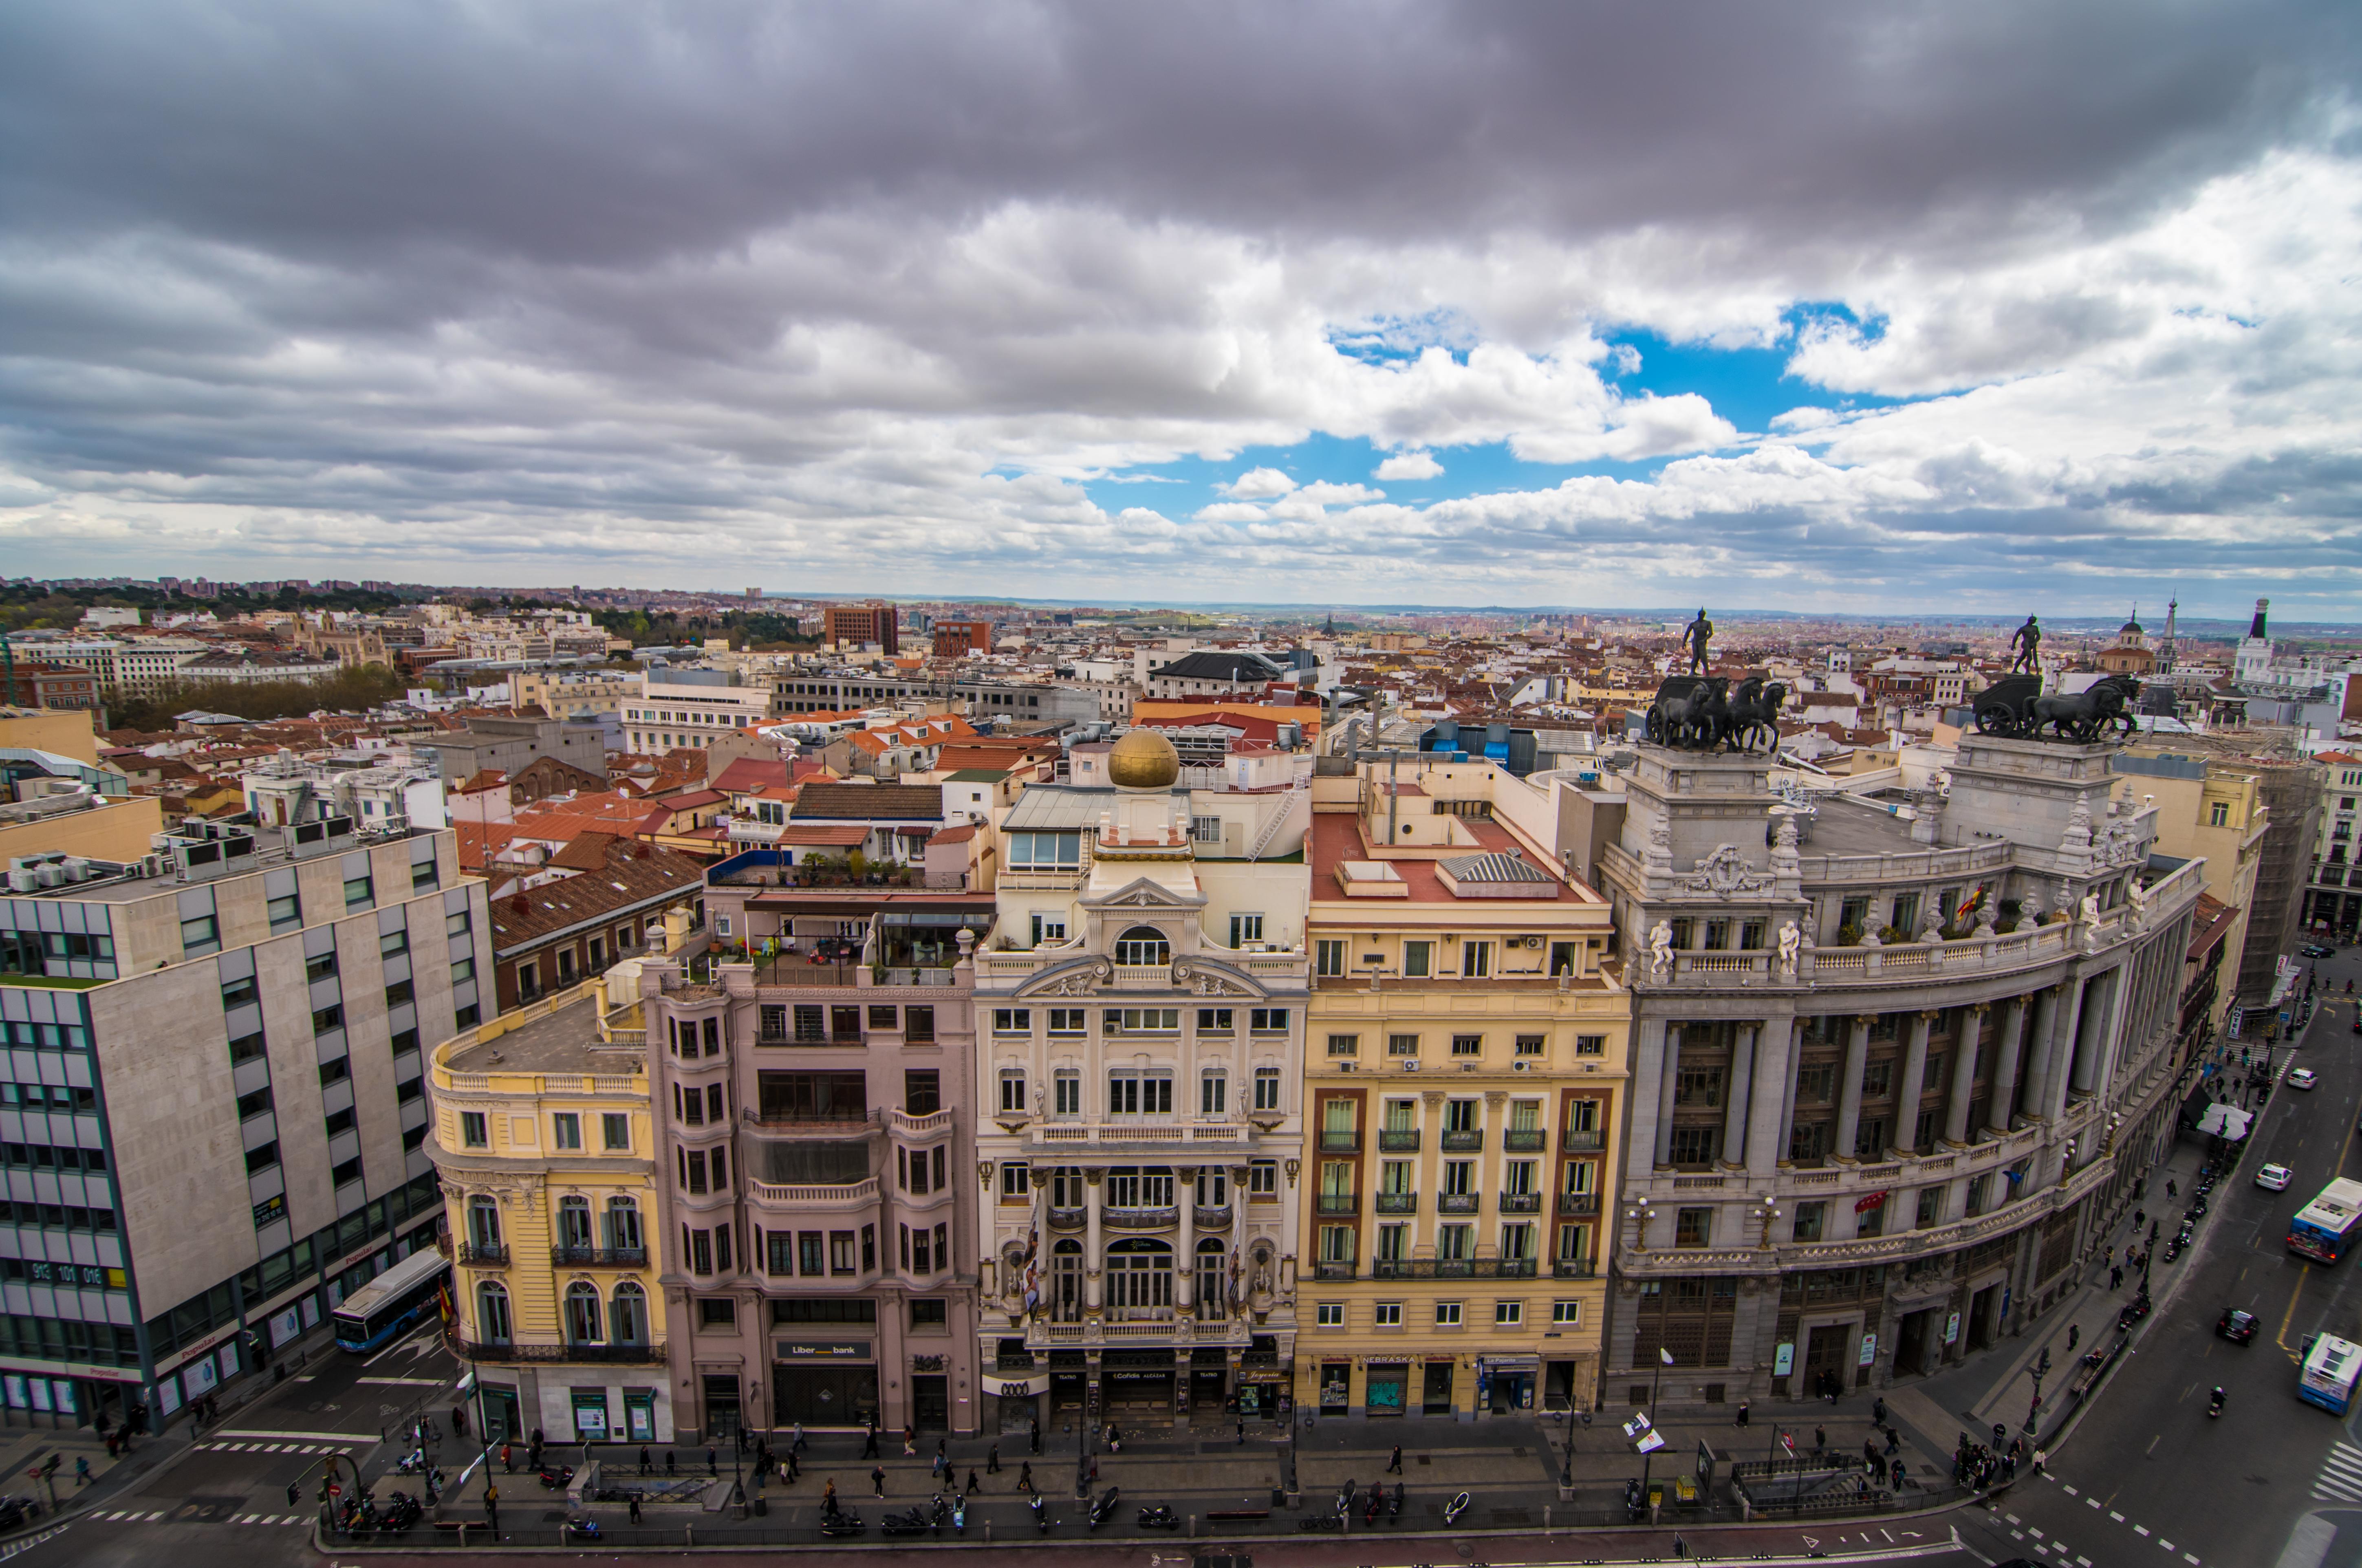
{"x": 1725, "y": 874}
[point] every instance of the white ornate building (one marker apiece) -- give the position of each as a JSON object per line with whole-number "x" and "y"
{"x": 1140, "y": 1043}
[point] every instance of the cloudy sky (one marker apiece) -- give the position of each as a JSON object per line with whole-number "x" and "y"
{"x": 1829, "y": 307}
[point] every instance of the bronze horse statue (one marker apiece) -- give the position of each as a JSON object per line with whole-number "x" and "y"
{"x": 1755, "y": 711}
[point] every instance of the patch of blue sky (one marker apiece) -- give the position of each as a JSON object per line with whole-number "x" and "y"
{"x": 1745, "y": 386}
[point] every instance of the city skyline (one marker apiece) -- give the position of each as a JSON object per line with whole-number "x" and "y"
{"x": 1836, "y": 312}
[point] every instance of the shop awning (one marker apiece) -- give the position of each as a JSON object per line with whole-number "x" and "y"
{"x": 2226, "y": 1122}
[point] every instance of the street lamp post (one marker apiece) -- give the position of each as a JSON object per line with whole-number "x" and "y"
{"x": 2033, "y": 1410}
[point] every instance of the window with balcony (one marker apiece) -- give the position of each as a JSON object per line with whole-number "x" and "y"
{"x": 623, "y": 1219}
{"x": 1144, "y": 946}
{"x": 1337, "y": 1243}
{"x": 492, "y": 1313}
{"x": 484, "y": 1224}
{"x": 1340, "y": 1123}
{"x": 574, "y": 1224}
{"x": 1459, "y": 1178}
{"x": 1134, "y": 1093}
{"x": 1870, "y": 1138}
{"x": 1140, "y": 1279}
{"x": 1455, "y": 1243}
{"x": 1460, "y": 1116}
{"x": 922, "y": 1092}
{"x": 1394, "y": 1243}
{"x": 813, "y": 1097}
{"x": 1135, "y": 1189}
{"x": 1213, "y": 1092}
{"x": 1066, "y": 1088}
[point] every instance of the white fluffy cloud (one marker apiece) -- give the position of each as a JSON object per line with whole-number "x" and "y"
{"x": 696, "y": 299}
{"x": 1410, "y": 466}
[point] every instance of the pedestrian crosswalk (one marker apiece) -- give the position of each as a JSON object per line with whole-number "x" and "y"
{"x": 138, "y": 1516}
{"x": 283, "y": 1447}
{"x": 2341, "y": 1474}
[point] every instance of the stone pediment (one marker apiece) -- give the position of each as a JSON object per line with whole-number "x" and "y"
{"x": 1079, "y": 977}
{"x": 1144, "y": 893}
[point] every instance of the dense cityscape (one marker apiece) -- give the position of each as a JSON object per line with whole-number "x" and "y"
{"x": 610, "y": 1002}
{"x": 1313, "y": 786}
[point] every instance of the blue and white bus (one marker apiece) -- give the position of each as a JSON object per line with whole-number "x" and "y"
{"x": 2324, "y": 1229}
{"x": 2330, "y": 1370}
{"x": 395, "y": 1301}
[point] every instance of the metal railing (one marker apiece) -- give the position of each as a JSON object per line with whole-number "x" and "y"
{"x": 1340, "y": 1203}
{"x": 1524, "y": 1140}
{"x": 1340, "y": 1143}
{"x": 630, "y": 1356}
{"x": 1577, "y": 1205}
{"x": 1464, "y": 1141}
{"x": 1398, "y": 1203}
{"x": 1399, "y": 1143}
{"x": 484, "y": 1254}
{"x": 1521, "y": 1203}
{"x": 599, "y": 1257}
{"x": 1456, "y": 1203}
{"x": 1583, "y": 1140}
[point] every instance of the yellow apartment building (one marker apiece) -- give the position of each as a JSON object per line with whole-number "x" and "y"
{"x": 542, "y": 1139}
{"x": 1465, "y": 1059}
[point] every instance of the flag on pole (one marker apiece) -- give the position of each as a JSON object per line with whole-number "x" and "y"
{"x": 1788, "y": 1442}
{"x": 1665, "y": 1355}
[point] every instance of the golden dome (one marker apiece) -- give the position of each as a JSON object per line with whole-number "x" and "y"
{"x": 1144, "y": 760}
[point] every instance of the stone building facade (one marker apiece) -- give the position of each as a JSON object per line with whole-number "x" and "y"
{"x": 1877, "y": 1108}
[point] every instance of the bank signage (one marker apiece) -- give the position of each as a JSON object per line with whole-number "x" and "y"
{"x": 823, "y": 1350}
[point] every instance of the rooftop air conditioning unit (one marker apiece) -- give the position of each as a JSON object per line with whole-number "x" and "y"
{"x": 1411, "y": 1066}
{"x": 1344, "y": 1067}
{"x": 1521, "y": 1066}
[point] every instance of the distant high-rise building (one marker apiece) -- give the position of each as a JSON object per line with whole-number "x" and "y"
{"x": 875, "y": 622}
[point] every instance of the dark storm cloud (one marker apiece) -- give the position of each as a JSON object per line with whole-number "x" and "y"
{"x": 862, "y": 288}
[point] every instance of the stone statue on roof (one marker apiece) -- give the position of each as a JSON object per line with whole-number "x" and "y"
{"x": 2029, "y": 638}
{"x": 1694, "y": 637}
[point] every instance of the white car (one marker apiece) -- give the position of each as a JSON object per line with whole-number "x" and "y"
{"x": 2304, "y": 1077}
{"x": 2274, "y": 1178}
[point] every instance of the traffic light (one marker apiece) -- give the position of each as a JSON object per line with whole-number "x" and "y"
{"x": 294, "y": 1494}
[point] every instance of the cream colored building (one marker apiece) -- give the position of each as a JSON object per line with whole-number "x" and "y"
{"x": 1464, "y": 1072}
{"x": 543, "y": 1141}
{"x": 2207, "y": 808}
{"x": 564, "y": 694}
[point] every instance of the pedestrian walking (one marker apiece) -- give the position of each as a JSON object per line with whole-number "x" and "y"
{"x": 2038, "y": 1459}
{"x": 1394, "y": 1465}
{"x": 798, "y": 1446}
{"x": 459, "y": 1420}
{"x": 971, "y": 1481}
{"x": 669, "y": 1467}
{"x": 2074, "y": 1332}
{"x": 1894, "y": 1441}
{"x": 992, "y": 1460}
{"x": 635, "y": 1508}
{"x": 869, "y": 1446}
{"x": 910, "y": 1440}
{"x": 82, "y": 1471}
{"x": 878, "y": 1478}
{"x": 1820, "y": 1439}
{"x": 1742, "y": 1412}
{"x": 111, "y": 1442}
{"x": 794, "y": 1467}
{"x": 2116, "y": 1277}
{"x": 508, "y": 1459}
{"x": 646, "y": 1464}
{"x": 2170, "y": 1191}
{"x": 493, "y": 1508}
{"x": 828, "y": 1499}
{"x": 1878, "y": 1409}
{"x": 712, "y": 1465}
{"x": 1242, "y": 1430}
{"x": 1025, "y": 1475}
{"x": 1037, "y": 1434}
{"x": 1895, "y": 1469}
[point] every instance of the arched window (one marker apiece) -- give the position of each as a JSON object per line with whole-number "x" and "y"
{"x": 1066, "y": 1282}
{"x": 582, "y": 1314}
{"x": 627, "y": 1315}
{"x": 624, "y": 1225}
{"x": 492, "y": 1314}
{"x": 1213, "y": 1274}
{"x": 574, "y": 1224}
{"x": 483, "y": 1222}
{"x": 1140, "y": 1279}
{"x": 1144, "y": 945}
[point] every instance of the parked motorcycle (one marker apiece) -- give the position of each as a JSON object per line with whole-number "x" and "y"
{"x": 582, "y": 1527}
{"x": 909, "y": 1521}
{"x": 1395, "y": 1503}
{"x": 1636, "y": 1505}
{"x": 959, "y": 1513}
{"x": 1455, "y": 1508}
{"x": 844, "y": 1522}
{"x": 1104, "y": 1509}
{"x": 1158, "y": 1516}
{"x": 555, "y": 1477}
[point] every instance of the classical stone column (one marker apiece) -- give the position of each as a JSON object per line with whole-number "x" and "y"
{"x": 1736, "y": 1092}
{"x": 1964, "y": 1076}
{"x": 2045, "y": 1045}
{"x": 1648, "y": 1084}
{"x": 1857, "y": 1058}
{"x": 1905, "y": 1133}
{"x": 1093, "y": 1280}
{"x": 1668, "y": 1091}
{"x": 2083, "y": 1069}
{"x": 2011, "y": 1048}
{"x": 2069, "y": 1016}
{"x": 1775, "y": 1092}
{"x": 1185, "y": 1188}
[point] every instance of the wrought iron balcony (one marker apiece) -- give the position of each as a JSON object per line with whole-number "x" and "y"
{"x": 1211, "y": 1216}
{"x": 1399, "y": 1143}
{"x": 1398, "y": 1203}
{"x": 1456, "y": 1203}
{"x": 1340, "y": 1203}
{"x": 1332, "y": 1271}
{"x": 597, "y": 1257}
{"x": 1340, "y": 1143}
{"x": 1521, "y": 1203}
{"x": 1139, "y": 1219}
{"x": 1573, "y": 1268}
{"x": 628, "y": 1356}
{"x": 1583, "y": 1140}
{"x": 1577, "y": 1205}
{"x": 1524, "y": 1140}
{"x": 1465, "y": 1142}
{"x": 484, "y": 1254}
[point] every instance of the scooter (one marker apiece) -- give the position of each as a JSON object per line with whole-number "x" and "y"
{"x": 1394, "y": 1504}
{"x": 909, "y": 1521}
{"x": 959, "y": 1513}
{"x": 1104, "y": 1509}
{"x": 1635, "y": 1505}
{"x": 554, "y": 1478}
{"x": 582, "y": 1527}
{"x": 412, "y": 1463}
{"x": 1455, "y": 1508}
{"x": 841, "y": 1523}
{"x": 2214, "y": 1404}
{"x": 1158, "y": 1516}
{"x": 1377, "y": 1505}
{"x": 1042, "y": 1523}
{"x": 940, "y": 1516}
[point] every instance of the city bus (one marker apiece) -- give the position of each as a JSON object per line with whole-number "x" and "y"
{"x": 390, "y": 1305}
{"x": 2331, "y": 1368}
{"x": 2323, "y": 1229}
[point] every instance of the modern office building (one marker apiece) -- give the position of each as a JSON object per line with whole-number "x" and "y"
{"x": 1896, "y": 1062}
{"x": 1141, "y": 1007}
{"x": 1464, "y": 1075}
{"x": 214, "y": 1130}
{"x": 814, "y": 1123}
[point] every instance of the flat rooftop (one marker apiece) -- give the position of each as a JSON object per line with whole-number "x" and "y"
{"x": 1845, "y": 826}
{"x": 270, "y": 852}
{"x": 565, "y": 1041}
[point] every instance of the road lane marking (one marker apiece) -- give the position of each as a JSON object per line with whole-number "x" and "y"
{"x": 2140, "y": 1530}
{"x": 353, "y": 1438}
{"x": 2094, "y": 1501}
{"x": 2115, "y": 1515}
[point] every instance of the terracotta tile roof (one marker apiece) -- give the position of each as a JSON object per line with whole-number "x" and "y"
{"x": 871, "y": 803}
{"x": 627, "y": 880}
{"x": 748, "y": 774}
{"x": 479, "y": 842}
